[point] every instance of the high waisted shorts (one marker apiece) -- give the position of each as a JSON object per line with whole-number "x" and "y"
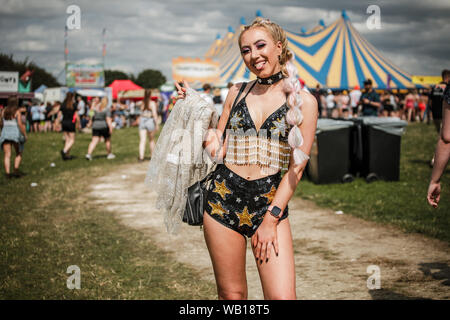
{"x": 238, "y": 203}
{"x": 147, "y": 124}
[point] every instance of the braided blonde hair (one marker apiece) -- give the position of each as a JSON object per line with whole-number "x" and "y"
{"x": 278, "y": 34}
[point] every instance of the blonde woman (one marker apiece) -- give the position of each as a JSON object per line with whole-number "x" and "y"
{"x": 248, "y": 196}
{"x": 101, "y": 123}
{"x": 148, "y": 125}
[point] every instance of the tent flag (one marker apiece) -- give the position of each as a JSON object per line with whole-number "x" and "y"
{"x": 334, "y": 56}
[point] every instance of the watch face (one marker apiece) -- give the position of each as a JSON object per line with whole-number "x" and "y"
{"x": 276, "y": 211}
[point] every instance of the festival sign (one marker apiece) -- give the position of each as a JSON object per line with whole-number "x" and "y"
{"x": 85, "y": 76}
{"x": 195, "y": 70}
{"x": 426, "y": 80}
{"x": 9, "y": 81}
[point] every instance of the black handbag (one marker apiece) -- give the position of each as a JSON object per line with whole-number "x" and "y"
{"x": 196, "y": 201}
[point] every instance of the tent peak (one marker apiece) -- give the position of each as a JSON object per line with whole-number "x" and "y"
{"x": 344, "y": 15}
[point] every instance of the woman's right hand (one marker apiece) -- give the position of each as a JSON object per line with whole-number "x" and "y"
{"x": 181, "y": 91}
{"x": 434, "y": 194}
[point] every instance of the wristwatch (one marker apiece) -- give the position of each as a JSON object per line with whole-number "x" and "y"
{"x": 275, "y": 211}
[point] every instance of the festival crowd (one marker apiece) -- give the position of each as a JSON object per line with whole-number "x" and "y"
{"x": 77, "y": 113}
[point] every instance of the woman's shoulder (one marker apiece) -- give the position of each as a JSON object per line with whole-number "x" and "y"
{"x": 308, "y": 99}
{"x": 234, "y": 90}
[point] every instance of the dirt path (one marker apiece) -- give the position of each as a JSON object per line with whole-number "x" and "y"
{"x": 332, "y": 251}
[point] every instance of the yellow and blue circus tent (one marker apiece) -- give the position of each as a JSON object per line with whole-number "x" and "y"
{"x": 334, "y": 56}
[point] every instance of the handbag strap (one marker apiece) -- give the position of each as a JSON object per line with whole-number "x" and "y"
{"x": 206, "y": 179}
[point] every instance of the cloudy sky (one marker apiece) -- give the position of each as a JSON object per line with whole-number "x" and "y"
{"x": 148, "y": 34}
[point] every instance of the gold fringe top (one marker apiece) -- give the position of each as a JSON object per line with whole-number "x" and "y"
{"x": 252, "y": 149}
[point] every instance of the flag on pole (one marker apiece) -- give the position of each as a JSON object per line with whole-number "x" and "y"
{"x": 104, "y": 43}
{"x": 66, "y": 50}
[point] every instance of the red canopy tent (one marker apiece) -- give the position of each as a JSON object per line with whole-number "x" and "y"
{"x": 123, "y": 85}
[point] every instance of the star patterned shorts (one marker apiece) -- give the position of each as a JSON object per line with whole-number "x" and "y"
{"x": 238, "y": 203}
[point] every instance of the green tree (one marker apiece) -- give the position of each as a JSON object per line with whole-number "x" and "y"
{"x": 111, "y": 75}
{"x": 39, "y": 77}
{"x": 150, "y": 78}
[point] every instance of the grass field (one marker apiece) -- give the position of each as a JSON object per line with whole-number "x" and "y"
{"x": 45, "y": 229}
{"x": 401, "y": 203}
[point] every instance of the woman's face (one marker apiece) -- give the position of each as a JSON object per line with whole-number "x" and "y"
{"x": 260, "y": 52}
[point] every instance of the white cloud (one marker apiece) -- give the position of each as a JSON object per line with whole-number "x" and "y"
{"x": 148, "y": 34}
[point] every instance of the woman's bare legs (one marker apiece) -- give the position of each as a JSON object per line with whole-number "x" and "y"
{"x": 151, "y": 141}
{"x": 108, "y": 145}
{"x": 142, "y": 141}
{"x": 93, "y": 144}
{"x": 278, "y": 274}
{"x": 18, "y": 158}
{"x": 227, "y": 250}
{"x": 69, "y": 141}
{"x": 7, "y": 157}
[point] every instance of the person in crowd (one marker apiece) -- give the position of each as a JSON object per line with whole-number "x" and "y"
{"x": 224, "y": 91}
{"x": 35, "y": 117}
{"x": 428, "y": 115}
{"x": 70, "y": 122}
{"x": 410, "y": 100}
{"x": 101, "y": 124}
{"x": 92, "y": 104}
{"x": 82, "y": 111}
{"x": 13, "y": 135}
{"x": 218, "y": 103}
{"x": 23, "y": 113}
{"x": 56, "y": 123}
{"x": 317, "y": 93}
{"x": 125, "y": 112}
{"x": 436, "y": 98}
{"x": 42, "y": 110}
{"x": 401, "y": 105}
{"x": 416, "y": 106}
{"x": 344, "y": 105}
{"x": 338, "y": 103}
{"x": 159, "y": 104}
{"x": 331, "y": 103}
{"x": 48, "y": 120}
{"x": 29, "y": 122}
{"x": 442, "y": 153}
{"x": 148, "y": 125}
{"x": 206, "y": 94}
{"x": 422, "y": 105}
{"x": 386, "y": 103}
{"x": 394, "y": 102}
{"x": 355, "y": 95}
{"x": 370, "y": 100}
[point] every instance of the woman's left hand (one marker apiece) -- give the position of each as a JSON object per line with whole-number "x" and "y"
{"x": 265, "y": 238}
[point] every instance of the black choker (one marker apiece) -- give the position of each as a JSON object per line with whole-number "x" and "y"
{"x": 272, "y": 79}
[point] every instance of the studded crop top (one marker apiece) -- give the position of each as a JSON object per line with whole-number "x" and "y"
{"x": 269, "y": 147}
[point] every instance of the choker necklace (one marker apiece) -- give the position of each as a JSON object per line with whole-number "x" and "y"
{"x": 272, "y": 79}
